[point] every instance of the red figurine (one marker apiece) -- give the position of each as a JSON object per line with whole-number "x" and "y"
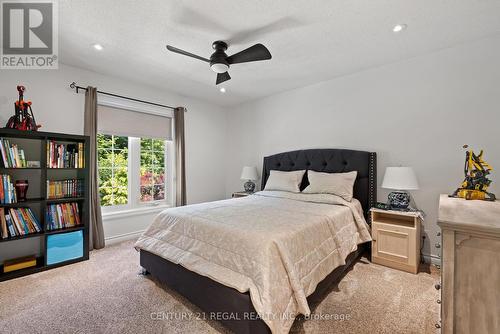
{"x": 23, "y": 119}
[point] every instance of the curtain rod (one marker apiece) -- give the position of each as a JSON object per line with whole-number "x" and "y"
{"x": 74, "y": 86}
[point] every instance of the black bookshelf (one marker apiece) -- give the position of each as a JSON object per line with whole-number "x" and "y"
{"x": 35, "y": 142}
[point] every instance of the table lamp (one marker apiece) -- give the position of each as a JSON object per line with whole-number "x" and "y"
{"x": 401, "y": 179}
{"x": 249, "y": 174}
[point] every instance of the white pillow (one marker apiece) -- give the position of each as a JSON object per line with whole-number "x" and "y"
{"x": 285, "y": 181}
{"x": 340, "y": 184}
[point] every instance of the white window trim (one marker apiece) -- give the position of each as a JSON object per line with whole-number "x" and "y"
{"x": 133, "y": 212}
{"x": 134, "y": 205}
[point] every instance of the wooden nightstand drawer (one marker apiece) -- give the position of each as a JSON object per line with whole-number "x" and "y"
{"x": 396, "y": 240}
{"x": 393, "y": 243}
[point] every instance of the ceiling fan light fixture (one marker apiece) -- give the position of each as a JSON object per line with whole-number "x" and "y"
{"x": 219, "y": 67}
{"x": 220, "y": 62}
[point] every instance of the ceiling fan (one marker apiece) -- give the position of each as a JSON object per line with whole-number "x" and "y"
{"x": 219, "y": 61}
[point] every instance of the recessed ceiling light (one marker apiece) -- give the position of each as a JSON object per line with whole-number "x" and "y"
{"x": 399, "y": 27}
{"x": 98, "y": 47}
{"x": 222, "y": 90}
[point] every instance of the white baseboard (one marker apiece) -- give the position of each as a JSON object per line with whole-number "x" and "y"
{"x": 432, "y": 259}
{"x": 122, "y": 237}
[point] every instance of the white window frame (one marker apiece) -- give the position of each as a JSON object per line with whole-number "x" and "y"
{"x": 134, "y": 161}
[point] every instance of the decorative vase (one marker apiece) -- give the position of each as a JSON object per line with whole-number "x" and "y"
{"x": 21, "y": 190}
{"x": 249, "y": 186}
{"x": 399, "y": 200}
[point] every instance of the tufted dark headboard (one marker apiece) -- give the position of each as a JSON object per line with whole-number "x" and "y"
{"x": 330, "y": 161}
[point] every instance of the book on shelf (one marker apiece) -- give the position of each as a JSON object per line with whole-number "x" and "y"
{"x": 64, "y": 188}
{"x": 7, "y": 190}
{"x": 62, "y": 215}
{"x": 12, "y": 155}
{"x": 18, "y": 222}
{"x": 19, "y": 263}
{"x": 3, "y": 225}
{"x": 65, "y": 155}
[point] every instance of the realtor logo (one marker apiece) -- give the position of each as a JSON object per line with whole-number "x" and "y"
{"x": 29, "y": 35}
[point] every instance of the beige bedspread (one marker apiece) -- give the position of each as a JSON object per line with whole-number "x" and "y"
{"x": 277, "y": 245}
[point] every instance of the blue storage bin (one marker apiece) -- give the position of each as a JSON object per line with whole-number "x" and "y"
{"x": 64, "y": 247}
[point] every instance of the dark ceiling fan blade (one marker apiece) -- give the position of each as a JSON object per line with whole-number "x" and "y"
{"x": 253, "y": 53}
{"x": 221, "y": 77}
{"x": 185, "y": 53}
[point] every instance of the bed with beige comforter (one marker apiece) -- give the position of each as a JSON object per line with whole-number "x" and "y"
{"x": 276, "y": 245}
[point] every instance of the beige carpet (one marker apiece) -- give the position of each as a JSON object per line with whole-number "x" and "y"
{"x": 106, "y": 295}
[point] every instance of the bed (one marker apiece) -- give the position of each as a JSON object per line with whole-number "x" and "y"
{"x": 253, "y": 263}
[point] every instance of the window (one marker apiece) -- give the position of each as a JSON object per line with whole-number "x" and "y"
{"x": 132, "y": 171}
{"x": 112, "y": 154}
{"x": 152, "y": 170}
{"x": 134, "y": 163}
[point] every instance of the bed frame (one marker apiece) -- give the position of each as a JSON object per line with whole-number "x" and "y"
{"x": 234, "y": 309}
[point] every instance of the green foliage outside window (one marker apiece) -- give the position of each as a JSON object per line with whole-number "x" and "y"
{"x": 113, "y": 157}
{"x": 152, "y": 169}
{"x": 113, "y": 169}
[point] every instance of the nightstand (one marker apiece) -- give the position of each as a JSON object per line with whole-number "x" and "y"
{"x": 396, "y": 239}
{"x": 240, "y": 194}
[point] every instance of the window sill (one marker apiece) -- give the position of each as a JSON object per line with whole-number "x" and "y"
{"x": 134, "y": 212}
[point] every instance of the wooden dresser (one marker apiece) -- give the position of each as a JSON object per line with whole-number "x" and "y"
{"x": 471, "y": 265}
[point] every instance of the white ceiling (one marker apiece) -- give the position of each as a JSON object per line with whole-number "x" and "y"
{"x": 311, "y": 41}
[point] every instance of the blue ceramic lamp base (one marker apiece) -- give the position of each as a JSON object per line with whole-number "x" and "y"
{"x": 398, "y": 200}
{"x": 249, "y": 186}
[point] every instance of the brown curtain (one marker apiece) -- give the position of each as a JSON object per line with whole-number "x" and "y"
{"x": 90, "y": 129}
{"x": 180, "y": 163}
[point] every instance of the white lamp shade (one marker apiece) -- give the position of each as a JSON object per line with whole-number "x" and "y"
{"x": 400, "y": 178}
{"x": 249, "y": 173}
